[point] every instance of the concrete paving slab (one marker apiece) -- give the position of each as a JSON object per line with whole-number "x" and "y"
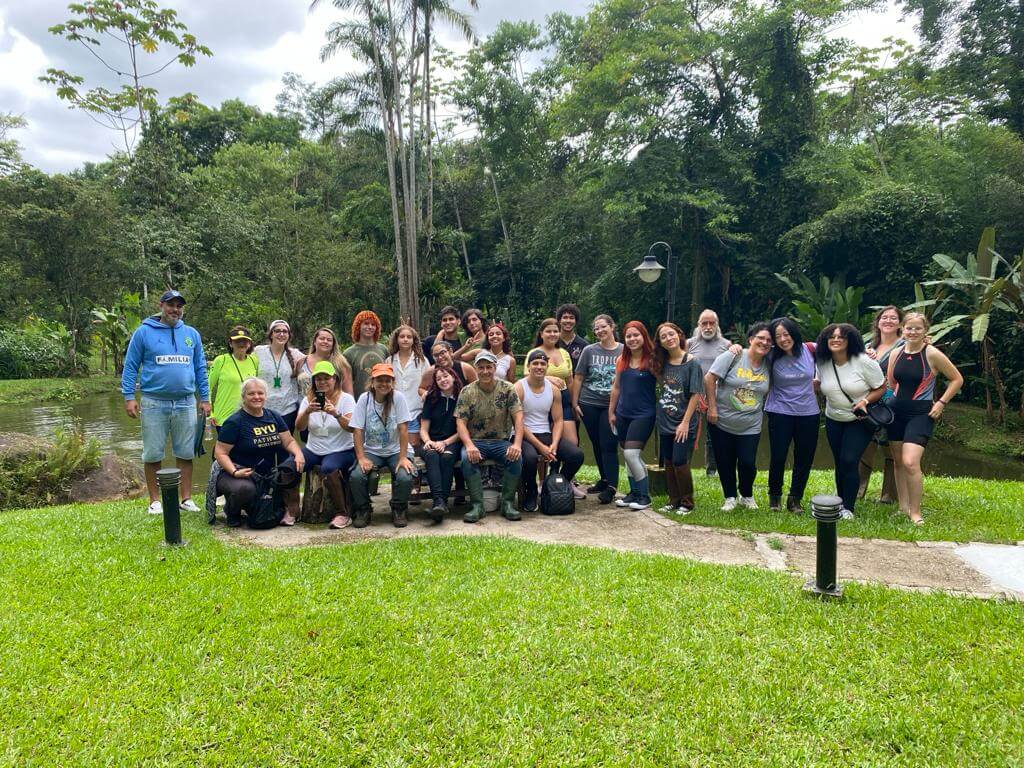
{"x": 1002, "y": 564}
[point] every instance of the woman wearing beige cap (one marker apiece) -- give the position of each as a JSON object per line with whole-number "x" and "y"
{"x": 229, "y": 371}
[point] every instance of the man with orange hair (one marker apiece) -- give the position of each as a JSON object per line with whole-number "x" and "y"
{"x": 366, "y": 350}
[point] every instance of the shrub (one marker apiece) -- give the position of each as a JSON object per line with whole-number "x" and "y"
{"x": 41, "y": 474}
{"x": 39, "y": 349}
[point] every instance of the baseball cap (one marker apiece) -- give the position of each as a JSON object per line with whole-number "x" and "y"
{"x": 485, "y": 357}
{"x": 241, "y": 335}
{"x": 172, "y": 294}
{"x": 537, "y": 354}
{"x": 382, "y": 369}
{"x": 324, "y": 367}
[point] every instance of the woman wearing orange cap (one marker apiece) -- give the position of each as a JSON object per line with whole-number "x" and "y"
{"x": 381, "y": 430}
{"x": 366, "y": 350}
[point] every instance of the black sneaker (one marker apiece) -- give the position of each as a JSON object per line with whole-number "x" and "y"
{"x": 640, "y": 502}
{"x": 438, "y": 511}
{"x": 626, "y": 500}
{"x": 599, "y": 486}
{"x": 606, "y": 496}
{"x": 361, "y": 519}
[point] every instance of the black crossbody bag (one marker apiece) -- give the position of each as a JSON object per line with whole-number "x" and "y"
{"x": 879, "y": 414}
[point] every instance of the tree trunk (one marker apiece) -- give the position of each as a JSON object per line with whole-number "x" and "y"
{"x": 696, "y": 278}
{"x": 427, "y": 96}
{"x": 389, "y": 150}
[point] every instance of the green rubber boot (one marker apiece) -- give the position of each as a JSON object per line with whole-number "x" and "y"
{"x": 509, "y": 483}
{"x": 475, "y": 486}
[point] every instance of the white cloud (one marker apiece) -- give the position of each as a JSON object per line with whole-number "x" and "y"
{"x": 253, "y": 44}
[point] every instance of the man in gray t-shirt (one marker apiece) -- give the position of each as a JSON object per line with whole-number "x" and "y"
{"x": 706, "y": 345}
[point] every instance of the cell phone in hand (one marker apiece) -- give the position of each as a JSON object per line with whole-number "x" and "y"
{"x": 321, "y": 399}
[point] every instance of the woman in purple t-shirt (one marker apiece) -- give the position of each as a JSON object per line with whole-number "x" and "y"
{"x": 793, "y": 413}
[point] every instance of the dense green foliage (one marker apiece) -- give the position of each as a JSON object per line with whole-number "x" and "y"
{"x": 741, "y": 133}
{"x": 472, "y": 652}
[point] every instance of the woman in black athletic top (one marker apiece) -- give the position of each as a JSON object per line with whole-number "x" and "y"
{"x": 911, "y": 376}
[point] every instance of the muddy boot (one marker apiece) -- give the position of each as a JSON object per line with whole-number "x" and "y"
{"x": 362, "y": 518}
{"x": 399, "y": 514}
{"x": 793, "y": 505}
{"x": 889, "y": 493}
{"x": 332, "y": 483}
{"x": 509, "y": 483}
{"x": 475, "y": 485}
{"x": 864, "y": 470}
{"x": 774, "y": 502}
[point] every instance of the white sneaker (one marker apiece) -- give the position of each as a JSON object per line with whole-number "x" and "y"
{"x": 189, "y": 506}
{"x": 730, "y": 504}
{"x": 748, "y": 502}
{"x": 846, "y": 514}
{"x": 668, "y": 508}
{"x": 155, "y": 508}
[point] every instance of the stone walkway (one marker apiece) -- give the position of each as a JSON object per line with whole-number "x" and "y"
{"x": 976, "y": 570}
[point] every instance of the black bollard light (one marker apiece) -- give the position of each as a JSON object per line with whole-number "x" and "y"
{"x": 169, "y": 481}
{"x": 827, "y": 511}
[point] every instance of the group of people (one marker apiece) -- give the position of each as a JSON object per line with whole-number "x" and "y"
{"x": 450, "y": 404}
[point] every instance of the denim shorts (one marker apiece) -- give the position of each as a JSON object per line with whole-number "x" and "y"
{"x": 161, "y": 418}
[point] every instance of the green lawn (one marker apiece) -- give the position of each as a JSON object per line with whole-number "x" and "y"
{"x": 481, "y": 652}
{"x": 955, "y": 509}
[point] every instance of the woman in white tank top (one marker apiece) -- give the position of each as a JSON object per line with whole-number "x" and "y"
{"x": 542, "y": 429}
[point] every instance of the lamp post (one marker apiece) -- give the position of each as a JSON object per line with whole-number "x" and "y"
{"x": 650, "y": 270}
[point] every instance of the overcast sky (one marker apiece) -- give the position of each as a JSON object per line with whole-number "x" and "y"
{"x": 252, "y": 50}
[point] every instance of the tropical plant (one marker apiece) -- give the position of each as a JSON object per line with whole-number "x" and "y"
{"x": 831, "y": 301}
{"x": 113, "y": 327}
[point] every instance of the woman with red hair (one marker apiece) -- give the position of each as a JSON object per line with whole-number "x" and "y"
{"x": 632, "y": 409}
{"x": 366, "y": 350}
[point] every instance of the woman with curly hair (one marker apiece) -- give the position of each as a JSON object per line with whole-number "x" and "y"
{"x": 682, "y": 385}
{"x": 632, "y": 409}
{"x": 407, "y": 360}
{"x": 500, "y": 345}
{"x": 366, "y": 350}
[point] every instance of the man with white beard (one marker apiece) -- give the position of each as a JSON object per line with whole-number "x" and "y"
{"x": 706, "y": 345}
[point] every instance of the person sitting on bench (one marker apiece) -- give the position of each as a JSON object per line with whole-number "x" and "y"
{"x": 488, "y": 411}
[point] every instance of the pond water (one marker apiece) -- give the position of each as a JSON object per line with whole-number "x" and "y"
{"x": 103, "y": 418}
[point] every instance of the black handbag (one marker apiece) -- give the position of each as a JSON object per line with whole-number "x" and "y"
{"x": 878, "y": 414}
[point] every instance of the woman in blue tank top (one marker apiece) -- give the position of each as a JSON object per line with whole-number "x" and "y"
{"x": 911, "y": 377}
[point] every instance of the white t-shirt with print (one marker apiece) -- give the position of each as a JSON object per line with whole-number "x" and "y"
{"x": 379, "y": 438}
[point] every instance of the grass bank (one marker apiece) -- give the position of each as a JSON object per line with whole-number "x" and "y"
{"x": 474, "y": 652}
{"x": 967, "y": 425}
{"x": 20, "y": 391}
{"x": 33, "y": 473}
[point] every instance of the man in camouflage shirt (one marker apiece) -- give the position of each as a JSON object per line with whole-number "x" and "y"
{"x": 487, "y": 415}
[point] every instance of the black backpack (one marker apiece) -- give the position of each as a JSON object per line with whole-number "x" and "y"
{"x": 556, "y": 497}
{"x": 268, "y": 509}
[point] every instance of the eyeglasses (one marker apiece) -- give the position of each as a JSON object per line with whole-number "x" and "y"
{"x": 281, "y": 330}
{"x": 764, "y": 339}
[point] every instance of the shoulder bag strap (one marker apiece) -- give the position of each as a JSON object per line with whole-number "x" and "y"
{"x": 840, "y": 383}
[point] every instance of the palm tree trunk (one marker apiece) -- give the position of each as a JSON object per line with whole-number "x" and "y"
{"x": 387, "y": 117}
{"x": 427, "y": 96}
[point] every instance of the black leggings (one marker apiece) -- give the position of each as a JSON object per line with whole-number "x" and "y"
{"x": 736, "y": 455}
{"x": 441, "y": 470}
{"x": 570, "y": 457}
{"x": 605, "y": 444}
{"x": 802, "y": 432}
{"x": 848, "y": 439}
